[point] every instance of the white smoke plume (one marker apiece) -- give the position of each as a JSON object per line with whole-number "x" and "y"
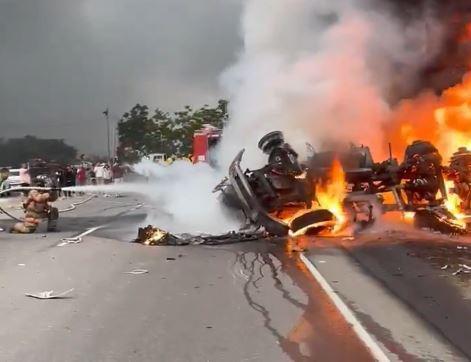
{"x": 320, "y": 71}
{"x": 182, "y": 198}
{"x": 177, "y": 198}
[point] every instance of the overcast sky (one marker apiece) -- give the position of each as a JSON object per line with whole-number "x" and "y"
{"x": 63, "y": 61}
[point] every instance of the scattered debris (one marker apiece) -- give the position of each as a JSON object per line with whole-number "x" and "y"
{"x": 21, "y": 264}
{"x": 137, "y": 271}
{"x": 459, "y": 271}
{"x": 464, "y": 266}
{"x": 348, "y": 238}
{"x": 445, "y": 267}
{"x": 171, "y": 259}
{"x": 439, "y": 220}
{"x": 459, "y": 247}
{"x": 49, "y": 294}
{"x": 151, "y": 235}
{"x": 67, "y": 241}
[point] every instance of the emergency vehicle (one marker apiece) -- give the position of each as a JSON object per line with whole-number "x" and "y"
{"x": 204, "y": 140}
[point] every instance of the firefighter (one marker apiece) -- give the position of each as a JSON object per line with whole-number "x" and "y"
{"x": 37, "y": 207}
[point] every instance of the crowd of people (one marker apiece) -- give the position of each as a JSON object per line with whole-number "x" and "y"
{"x": 99, "y": 174}
{"x": 53, "y": 175}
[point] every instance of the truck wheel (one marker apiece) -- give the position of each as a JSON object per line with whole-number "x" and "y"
{"x": 313, "y": 222}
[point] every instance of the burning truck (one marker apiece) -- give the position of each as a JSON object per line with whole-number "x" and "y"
{"x": 334, "y": 190}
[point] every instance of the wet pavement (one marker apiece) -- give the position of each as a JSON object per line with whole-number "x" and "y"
{"x": 242, "y": 302}
{"x": 254, "y": 301}
{"x": 412, "y": 275}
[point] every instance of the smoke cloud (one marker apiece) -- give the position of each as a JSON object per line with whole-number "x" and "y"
{"x": 323, "y": 71}
{"x": 178, "y": 198}
{"x": 182, "y": 198}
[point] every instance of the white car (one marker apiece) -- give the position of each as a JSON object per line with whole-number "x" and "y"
{"x": 14, "y": 179}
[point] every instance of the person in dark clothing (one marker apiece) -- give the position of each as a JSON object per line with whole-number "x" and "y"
{"x": 69, "y": 179}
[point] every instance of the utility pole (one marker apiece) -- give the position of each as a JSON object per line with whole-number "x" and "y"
{"x": 106, "y": 113}
{"x": 115, "y": 149}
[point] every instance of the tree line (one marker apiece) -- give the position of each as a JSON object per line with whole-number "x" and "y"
{"x": 15, "y": 151}
{"x": 142, "y": 132}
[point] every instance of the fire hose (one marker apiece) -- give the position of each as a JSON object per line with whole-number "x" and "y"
{"x": 72, "y": 206}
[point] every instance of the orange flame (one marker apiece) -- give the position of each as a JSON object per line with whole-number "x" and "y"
{"x": 331, "y": 195}
{"x": 445, "y": 120}
{"x": 453, "y": 204}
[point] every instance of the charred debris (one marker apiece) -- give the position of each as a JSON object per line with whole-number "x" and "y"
{"x": 282, "y": 198}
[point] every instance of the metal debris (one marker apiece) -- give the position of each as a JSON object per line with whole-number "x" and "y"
{"x": 49, "y": 294}
{"x": 67, "y": 241}
{"x": 463, "y": 268}
{"x": 151, "y": 235}
{"x": 459, "y": 271}
{"x": 439, "y": 220}
{"x": 137, "y": 271}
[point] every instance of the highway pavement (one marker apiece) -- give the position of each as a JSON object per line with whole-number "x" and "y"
{"x": 256, "y": 301}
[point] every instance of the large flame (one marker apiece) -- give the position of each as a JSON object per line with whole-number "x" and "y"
{"x": 453, "y": 204}
{"x": 444, "y": 120}
{"x": 331, "y": 194}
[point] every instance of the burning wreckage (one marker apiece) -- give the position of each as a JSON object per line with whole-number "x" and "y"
{"x": 332, "y": 192}
{"x": 335, "y": 190}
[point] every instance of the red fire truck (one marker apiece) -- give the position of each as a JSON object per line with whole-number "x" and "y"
{"x": 203, "y": 141}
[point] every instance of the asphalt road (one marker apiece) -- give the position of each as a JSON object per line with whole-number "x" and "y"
{"x": 241, "y": 302}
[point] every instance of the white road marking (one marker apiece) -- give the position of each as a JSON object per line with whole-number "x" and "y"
{"x": 78, "y": 238}
{"x": 89, "y": 231}
{"x": 347, "y": 313}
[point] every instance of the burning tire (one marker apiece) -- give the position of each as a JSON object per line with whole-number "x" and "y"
{"x": 313, "y": 222}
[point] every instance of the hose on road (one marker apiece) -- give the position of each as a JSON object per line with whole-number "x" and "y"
{"x": 72, "y": 206}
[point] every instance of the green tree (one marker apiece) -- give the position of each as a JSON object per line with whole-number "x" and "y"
{"x": 15, "y": 151}
{"x": 172, "y": 133}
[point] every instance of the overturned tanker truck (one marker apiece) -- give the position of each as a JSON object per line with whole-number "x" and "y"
{"x": 284, "y": 183}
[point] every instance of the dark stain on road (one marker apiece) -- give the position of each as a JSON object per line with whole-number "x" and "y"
{"x": 388, "y": 341}
{"x": 320, "y": 333}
